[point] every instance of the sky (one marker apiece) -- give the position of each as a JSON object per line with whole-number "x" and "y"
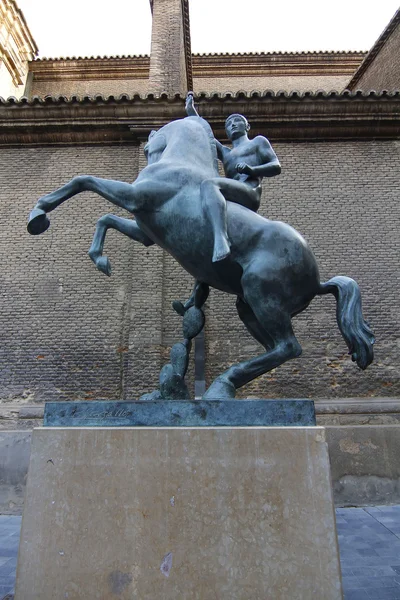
{"x": 88, "y": 28}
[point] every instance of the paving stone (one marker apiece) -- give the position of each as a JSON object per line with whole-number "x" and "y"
{"x": 383, "y": 594}
{"x": 360, "y": 594}
{"x": 8, "y": 568}
{"x": 379, "y": 582}
{"x": 369, "y": 552}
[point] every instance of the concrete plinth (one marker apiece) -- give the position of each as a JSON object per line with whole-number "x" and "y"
{"x": 179, "y": 513}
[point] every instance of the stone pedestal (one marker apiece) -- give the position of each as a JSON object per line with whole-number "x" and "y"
{"x": 179, "y": 513}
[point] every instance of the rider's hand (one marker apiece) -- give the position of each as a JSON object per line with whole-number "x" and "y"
{"x": 189, "y": 101}
{"x": 244, "y": 168}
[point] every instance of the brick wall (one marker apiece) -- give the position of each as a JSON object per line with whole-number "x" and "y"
{"x": 70, "y": 332}
{"x": 65, "y": 326}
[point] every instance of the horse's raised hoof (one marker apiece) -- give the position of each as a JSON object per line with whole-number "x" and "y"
{"x": 38, "y": 222}
{"x": 220, "y": 389}
{"x": 103, "y": 265}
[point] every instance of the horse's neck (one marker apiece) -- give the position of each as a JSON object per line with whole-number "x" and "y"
{"x": 192, "y": 140}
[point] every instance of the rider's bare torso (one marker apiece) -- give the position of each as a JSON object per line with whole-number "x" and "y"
{"x": 248, "y": 153}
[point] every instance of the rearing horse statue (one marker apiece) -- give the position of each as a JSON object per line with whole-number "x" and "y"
{"x": 270, "y": 269}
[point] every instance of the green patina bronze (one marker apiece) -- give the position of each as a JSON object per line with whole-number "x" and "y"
{"x": 181, "y": 413}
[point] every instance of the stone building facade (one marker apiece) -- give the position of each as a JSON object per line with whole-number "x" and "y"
{"x": 71, "y": 333}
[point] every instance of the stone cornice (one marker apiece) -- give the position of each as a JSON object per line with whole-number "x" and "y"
{"x": 281, "y": 117}
{"x": 276, "y": 64}
{"x": 376, "y": 48}
{"x": 203, "y": 65}
{"x": 117, "y": 67}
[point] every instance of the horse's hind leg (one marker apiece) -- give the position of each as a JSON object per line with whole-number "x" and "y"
{"x": 275, "y": 332}
{"x": 119, "y": 193}
{"x": 128, "y": 227}
{"x": 249, "y": 320}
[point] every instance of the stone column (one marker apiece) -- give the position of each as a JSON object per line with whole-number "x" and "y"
{"x": 170, "y": 57}
{"x": 17, "y": 48}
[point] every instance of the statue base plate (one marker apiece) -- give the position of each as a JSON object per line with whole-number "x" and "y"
{"x": 181, "y": 413}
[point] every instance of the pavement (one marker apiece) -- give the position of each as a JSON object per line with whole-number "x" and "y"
{"x": 369, "y": 541}
{"x": 9, "y": 542}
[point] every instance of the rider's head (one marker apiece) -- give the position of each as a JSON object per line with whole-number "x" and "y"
{"x": 236, "y": 126}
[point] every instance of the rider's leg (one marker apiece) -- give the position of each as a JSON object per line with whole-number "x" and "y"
{"x": 240, "y": 193}
{"x": 128, "y": 227}
{"x": 214, "y": 205}
{"x": 214, "y": 193}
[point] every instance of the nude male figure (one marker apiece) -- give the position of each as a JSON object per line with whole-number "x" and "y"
{"x": 245, "y": 165}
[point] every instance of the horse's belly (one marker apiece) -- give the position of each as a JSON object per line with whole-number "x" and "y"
{"x": 190, "y": 242}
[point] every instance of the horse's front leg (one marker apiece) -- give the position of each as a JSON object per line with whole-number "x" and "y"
{"x": 121, "y": 194}
{"x": 128, "y": 227}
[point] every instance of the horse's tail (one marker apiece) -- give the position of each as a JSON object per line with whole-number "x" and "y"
{"x": 355, "y": 330}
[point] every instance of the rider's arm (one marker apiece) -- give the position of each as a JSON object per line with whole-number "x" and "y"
{"x": 221, "y": 150}
{"x": 192, "y": 112}
{"x": 270, "y": 164}
{"x": 189, "y": 106}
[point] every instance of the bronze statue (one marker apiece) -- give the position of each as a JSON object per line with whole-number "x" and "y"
{"x": 270, "y": 267}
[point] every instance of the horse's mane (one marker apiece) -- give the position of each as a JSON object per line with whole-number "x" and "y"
{"x": 213, "y": 143}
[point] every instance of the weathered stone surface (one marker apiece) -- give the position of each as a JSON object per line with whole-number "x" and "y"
{"x": 180, "y": 413}
{"x": 358, "y": 411}
{"x": 232, "y": 513}
{"x": 365, "y": 466}
{"x": 15, "y": 449}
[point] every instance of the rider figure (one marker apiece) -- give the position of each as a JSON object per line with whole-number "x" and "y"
{"x": 245, "y": 165}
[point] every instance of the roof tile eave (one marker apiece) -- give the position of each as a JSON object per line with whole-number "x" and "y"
{"x": 288, "y": 94}
{"x": 76, "y": 58}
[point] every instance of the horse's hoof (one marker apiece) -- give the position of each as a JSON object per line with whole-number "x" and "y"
{"x": 220, "y": 389}
{"x": 38, "y": 222}
{"x": 103, "y": 265}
